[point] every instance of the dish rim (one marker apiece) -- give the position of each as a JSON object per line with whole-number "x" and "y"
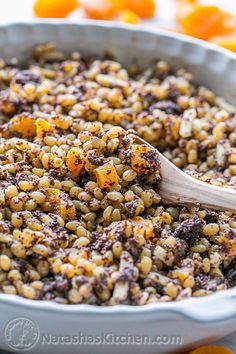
{"x": 206, "y": 311}
{"x": 118, "y": 25}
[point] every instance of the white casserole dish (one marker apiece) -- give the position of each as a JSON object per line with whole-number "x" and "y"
{"x": 150, "y": 328}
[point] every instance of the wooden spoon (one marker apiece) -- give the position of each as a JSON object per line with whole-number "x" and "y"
{"x": 179, "y": 188}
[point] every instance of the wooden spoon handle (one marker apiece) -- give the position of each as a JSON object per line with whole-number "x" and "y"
{"x": 197, "y": 194}
{"x": 179, "y": 188}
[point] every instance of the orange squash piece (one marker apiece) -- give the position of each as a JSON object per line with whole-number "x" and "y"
{"x": 142, "y": 227}
{"x": 229, "y": 243}
{"x": 106, "y": 175}
{"x": 23, "y": 124}
{"x": 66, "y": 208}
{"x": 227, "y": 42}
{"x": 131, "y": 17}
{"x": 75, "y": 161}
{"x": 102, "y": 9}
{"x": 54, "y": 8}
{"x": 180, "y": 273}
{"x": 61, "y": 203}
{"x": 43, "y": 127}
{"x": 207, "y": 21}
{"x": 61, "y": 122}
{"x": 139, "y": 160}
{"x": 143, "y": 8}
{"x": 52, "y": 197}
{"x": 212, "y": 349}
{"x": 29, "y": 237}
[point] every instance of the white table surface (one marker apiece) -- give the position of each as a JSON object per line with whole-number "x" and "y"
{"x": 13, "y": 10}
{"x": 22, "y": 9}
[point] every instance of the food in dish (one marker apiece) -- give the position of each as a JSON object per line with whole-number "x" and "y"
{"x": 81, "y": 220}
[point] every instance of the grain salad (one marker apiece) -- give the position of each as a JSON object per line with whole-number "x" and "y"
{"x": 81, "y": 219}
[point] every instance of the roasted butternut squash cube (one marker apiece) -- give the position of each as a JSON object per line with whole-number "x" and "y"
{"x": 23, "y": 124}
{"x": 43, "y": 128}
{"x": 75, "y": 161}
{"x": 66, "y": 207}
{"x": 181, "y": 273}
{"x": 230, "y": 244}
{"x": 61, "y": 203}
{"x": 143, "y": 159}
{"x": 61, "y": 122}
{"x": 106, "y": 175}
{"x": 142, "y": 227}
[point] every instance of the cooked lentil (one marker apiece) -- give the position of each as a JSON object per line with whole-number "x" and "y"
{"x": 81, "y": 220}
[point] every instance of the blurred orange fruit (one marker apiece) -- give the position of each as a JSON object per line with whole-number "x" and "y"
{"x": 212, "y": 349}
{"x": 143, "y": 8}
{"x": 227, "y": 42}
{"x": 102, "y": 9}
{"x": 183, "y": 7}
{"x": 131, "y": 17}
{"x": 207, "y": 21}
{"x": 54, "y": 8}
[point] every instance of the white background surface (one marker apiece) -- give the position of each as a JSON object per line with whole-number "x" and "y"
{"x": 22, "y": 9}
{"x": 12, "y": 10}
